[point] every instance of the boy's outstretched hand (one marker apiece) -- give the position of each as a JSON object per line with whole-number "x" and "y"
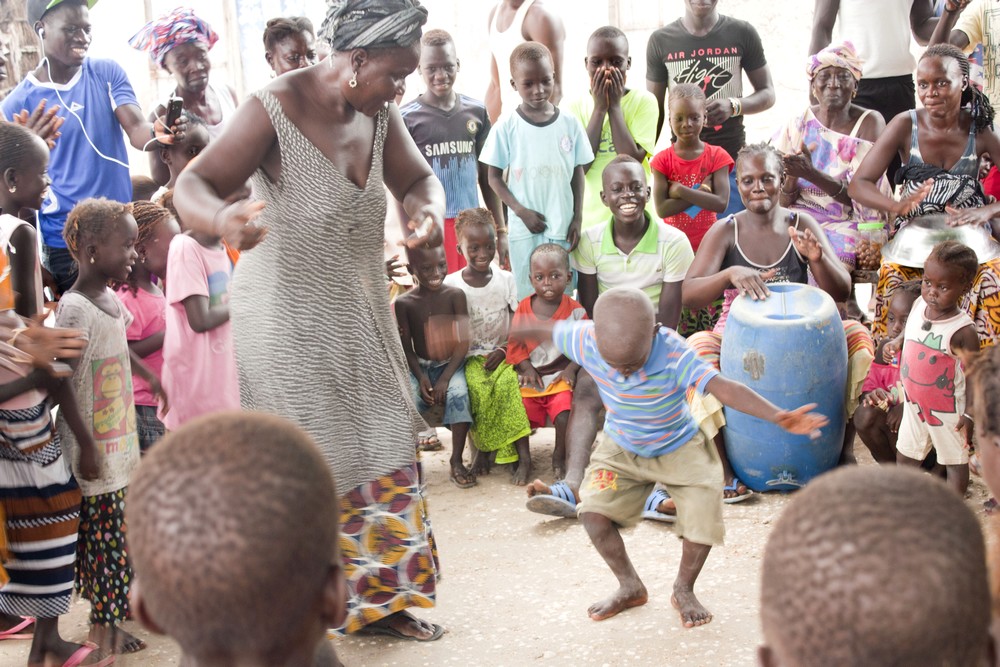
{"x": 801, "y": 421}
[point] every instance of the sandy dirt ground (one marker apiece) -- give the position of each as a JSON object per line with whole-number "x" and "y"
{"x": 516, "y": 587}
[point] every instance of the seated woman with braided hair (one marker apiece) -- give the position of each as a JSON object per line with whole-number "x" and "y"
{"x": 940, "y": 146}
{"x": 319, "y": 143}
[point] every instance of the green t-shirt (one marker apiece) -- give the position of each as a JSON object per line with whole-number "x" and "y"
{"x": 639, "y": 109}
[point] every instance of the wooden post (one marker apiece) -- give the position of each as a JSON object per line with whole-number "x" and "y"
{"x": 19, "y": 42}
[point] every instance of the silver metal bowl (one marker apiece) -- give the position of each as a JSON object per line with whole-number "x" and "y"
{"x": 914, "y": 242}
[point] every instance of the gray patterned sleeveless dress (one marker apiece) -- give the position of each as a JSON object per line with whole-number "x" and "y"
{"x": 316, "y": 343}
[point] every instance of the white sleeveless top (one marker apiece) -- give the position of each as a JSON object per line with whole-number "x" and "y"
{"x": 880, "y": 31}
{"x": 502, "y": 44}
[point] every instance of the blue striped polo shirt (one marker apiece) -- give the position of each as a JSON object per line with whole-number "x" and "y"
{"x": 647, "y": 412}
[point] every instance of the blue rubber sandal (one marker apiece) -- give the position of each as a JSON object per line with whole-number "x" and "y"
{"x": 734, "y": 487}
{"x": 561, "y": 502}
{"x": 652, "y": 502}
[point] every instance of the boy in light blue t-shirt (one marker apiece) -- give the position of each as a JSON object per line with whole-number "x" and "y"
{"x": 543, "y": 152}
{"x": 642, "y": 372}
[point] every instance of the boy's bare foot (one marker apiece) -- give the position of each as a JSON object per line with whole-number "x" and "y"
{"x": 116, "y": 638}
{"x": 521, "y": 473}
{"x": 540, "y": 488}
{"x": 622, "y": 599}
{"x": 692, "y": 611}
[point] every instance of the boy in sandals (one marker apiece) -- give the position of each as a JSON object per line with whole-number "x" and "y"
{"x": 642, "y": 372}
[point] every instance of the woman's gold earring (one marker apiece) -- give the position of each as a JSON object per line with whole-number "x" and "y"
{"x": 12, "y": 189}
{"x": 353, "y": 83}
{"x": 91, "y": 259}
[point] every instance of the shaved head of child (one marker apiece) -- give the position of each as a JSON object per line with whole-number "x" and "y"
{"x": 875, "y": 566}
{"x": 233, "y": 531}
{"x": 623, "y": 328}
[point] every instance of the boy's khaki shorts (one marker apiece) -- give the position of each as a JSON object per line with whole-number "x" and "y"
{"x": 618, "y": 482}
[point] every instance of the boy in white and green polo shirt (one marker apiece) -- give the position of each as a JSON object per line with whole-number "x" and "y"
{"x": 631, "y": 249}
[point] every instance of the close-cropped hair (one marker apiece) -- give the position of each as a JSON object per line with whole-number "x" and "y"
{"x": 233, "y": 530}
{"x": 875, "y": 566}
{"x": 554, "y": 250}
{"x": 471, "y": 217}
{"x": 529, "y": 52}
{"x": 608, "y": 32}
{"x": 90, "y": 221}
{"x": 437, "y": 37}
{"x": 282, "y": 27}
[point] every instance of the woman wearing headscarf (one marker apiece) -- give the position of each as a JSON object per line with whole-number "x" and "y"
{"x": 824, "y": 146}
{"x": 179, "y": 42}
{"x": 315, "y": 340}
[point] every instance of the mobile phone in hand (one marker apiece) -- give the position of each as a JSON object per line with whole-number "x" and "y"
{"x": 174, "y": 107}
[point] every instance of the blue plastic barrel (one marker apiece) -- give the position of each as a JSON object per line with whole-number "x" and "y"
{"x": 790, "y": 348}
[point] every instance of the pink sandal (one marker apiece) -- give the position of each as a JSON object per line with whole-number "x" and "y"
{"x": 83, "y": 653}
{"x": 15, "y": 631}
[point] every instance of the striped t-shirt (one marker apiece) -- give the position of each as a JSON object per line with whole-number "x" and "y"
{"x": 647, "y": 412}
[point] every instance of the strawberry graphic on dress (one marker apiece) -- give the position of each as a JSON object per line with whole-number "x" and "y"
{"x": 928, "y": 375}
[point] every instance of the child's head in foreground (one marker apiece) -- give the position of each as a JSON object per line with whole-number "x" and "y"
{"x": 477, "y": 237}
{"x": 233, "y": 532}
{"x": 624, "y": 322}
{"x": 624, "y": 189}
{"x": 875, "y": 566}
{"x": 900, "y": 306}
{"x": 550, "y": 272}
{"x": 532, "y": 74}
{"x": 948, "y": 274}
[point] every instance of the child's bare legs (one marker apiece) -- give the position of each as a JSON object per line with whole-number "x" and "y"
{"x": 581, "y": 428}
{"x": 872, "y": 426}
{"x": 559, "y": 451}
{"x": 522, "y": 473}
{"x": 608, "y": 541}
{"x": 460, "y": 475}
{"x": 727, "y": 470}
{"x": 847, "y": 457}
{"x": 47, "y": 646}
{"x": 693, "y": 557}
{"x": 956, "y": 476}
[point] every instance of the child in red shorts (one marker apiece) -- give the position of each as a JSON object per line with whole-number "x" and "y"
{"x": 546, "y": 375}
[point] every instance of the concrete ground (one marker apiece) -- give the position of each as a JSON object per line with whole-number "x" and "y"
{"x": 516, "y": 587}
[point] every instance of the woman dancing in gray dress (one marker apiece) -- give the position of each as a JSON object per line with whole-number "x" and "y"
{"x": 315, "y": 340}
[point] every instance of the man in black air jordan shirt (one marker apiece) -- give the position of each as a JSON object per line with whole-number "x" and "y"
{"x": 712, "y": 51}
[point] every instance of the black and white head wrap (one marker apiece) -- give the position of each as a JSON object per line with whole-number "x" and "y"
{"x": 371, "y": 24}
